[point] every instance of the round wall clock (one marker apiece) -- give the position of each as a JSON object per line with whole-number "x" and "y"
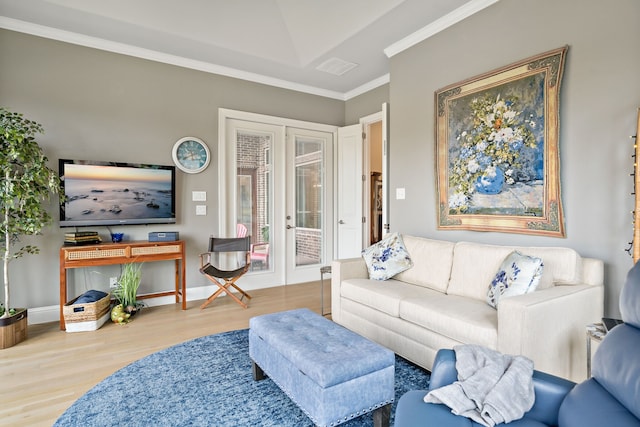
{"x": 191, "y": 154}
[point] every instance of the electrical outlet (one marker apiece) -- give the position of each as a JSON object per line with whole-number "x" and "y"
{"x": 113, "y": 282}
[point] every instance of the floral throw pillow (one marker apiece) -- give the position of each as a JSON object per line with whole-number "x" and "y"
{"x": 387, "y": 258}
{"x": 519, "y": 274}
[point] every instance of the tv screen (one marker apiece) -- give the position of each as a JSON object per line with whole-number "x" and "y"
{"x": 113, "y": 193}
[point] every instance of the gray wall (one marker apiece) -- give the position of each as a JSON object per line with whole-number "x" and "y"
{"x": 98, "y": 105}
{"x": 365, "y": 104}
{"x": 101, "y": 106}
{"x": 600, "y": 95}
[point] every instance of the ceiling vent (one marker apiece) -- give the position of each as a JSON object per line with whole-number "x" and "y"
{"x": 336, "y": 66}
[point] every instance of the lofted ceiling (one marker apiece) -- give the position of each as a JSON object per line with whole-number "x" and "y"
{"x": 335, "y": 48}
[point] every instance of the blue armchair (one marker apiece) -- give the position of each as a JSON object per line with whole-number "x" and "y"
{"x": 610, "y": 398}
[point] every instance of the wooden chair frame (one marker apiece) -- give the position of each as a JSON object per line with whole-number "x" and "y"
{"x": 226, "y": 279}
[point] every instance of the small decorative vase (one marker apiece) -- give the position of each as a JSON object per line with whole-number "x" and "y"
{"x": 491, "y": 182}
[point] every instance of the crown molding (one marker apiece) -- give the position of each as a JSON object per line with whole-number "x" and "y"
{"x": 367, "y": 87}
{"x": 152, "y": 55}
{"x": 441, "y": 24}
{"x": 435, "y": 27}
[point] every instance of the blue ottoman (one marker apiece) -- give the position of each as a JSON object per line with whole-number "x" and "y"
{"x": 331, "y": 373}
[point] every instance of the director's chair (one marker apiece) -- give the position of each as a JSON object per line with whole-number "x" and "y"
{"x": 227, "y": 260}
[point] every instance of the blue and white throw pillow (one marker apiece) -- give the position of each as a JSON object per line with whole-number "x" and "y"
{"x": 387, "y": 258}
{"x": 519, "y": 274}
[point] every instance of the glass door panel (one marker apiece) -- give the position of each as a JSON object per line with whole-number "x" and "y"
{"x": 307, "y": 154}
{"x": 253, "y": 192}
{"x": 308, "y": 196}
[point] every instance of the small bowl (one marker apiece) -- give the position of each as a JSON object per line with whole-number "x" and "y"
{"x": 117, "y": 237}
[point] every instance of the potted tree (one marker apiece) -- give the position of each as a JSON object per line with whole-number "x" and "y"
{"x": 27, "y": 184}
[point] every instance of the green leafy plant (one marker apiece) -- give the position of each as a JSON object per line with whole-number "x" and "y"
{"x": 127, "y": 290}
{"x": 27, "y": 183}
{"x": 11, "y": 312}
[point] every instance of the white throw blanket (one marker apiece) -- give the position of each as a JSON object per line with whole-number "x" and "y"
{"x": 492, "y": 388}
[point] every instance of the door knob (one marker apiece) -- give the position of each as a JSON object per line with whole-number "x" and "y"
{"x": 289, "y": 227}
{"x": 341, "y": 222}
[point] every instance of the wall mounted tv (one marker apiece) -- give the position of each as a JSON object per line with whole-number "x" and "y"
{"x": 114, "y": 193}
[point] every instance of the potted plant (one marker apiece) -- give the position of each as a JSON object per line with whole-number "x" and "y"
{"x": 27, "y": 183}
{"x": 126, "y": 292}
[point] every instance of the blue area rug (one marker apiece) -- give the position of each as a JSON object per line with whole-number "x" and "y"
{"x": 204, "y": 382}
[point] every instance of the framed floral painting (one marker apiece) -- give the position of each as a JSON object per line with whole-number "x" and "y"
{"x": 497, "y": 149}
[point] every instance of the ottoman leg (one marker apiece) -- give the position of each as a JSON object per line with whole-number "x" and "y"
{"x": 258, "y": 373}
{"x": 381, "y": 416}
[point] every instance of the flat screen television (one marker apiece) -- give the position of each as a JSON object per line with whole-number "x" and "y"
{"x": 116, "y": 193}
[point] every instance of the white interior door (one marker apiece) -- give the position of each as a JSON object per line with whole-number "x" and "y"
{"x": 354, "y": 159}
{"x": 349, "y": 186}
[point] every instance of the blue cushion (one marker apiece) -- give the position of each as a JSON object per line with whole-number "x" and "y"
{"x": 590, "y": 405}
{"x": 630, "y": 297}
{"x": 616, "y": 366}
{"x": 90, "y": 296}
{"x": 412, "y": 411}
{"x": 326, "y": 352}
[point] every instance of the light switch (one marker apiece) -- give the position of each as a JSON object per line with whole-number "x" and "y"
{"x": 399, "y": 193}
{"x": 199, "y": 196}
{"x": 201, "y": 209}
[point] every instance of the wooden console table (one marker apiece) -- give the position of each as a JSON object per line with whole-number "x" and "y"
{"x": 123, "y": 253}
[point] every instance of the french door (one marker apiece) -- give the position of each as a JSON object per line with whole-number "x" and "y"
{"x": 274, "y": 179}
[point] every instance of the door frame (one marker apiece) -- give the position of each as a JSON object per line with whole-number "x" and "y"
{"x": 226, "y": 218}
{"x": 365, "y": 122}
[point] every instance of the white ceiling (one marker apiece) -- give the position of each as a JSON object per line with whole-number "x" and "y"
{"x": 276, "y": 42}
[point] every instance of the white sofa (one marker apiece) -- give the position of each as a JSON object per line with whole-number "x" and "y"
{"x": 441, "y": 302}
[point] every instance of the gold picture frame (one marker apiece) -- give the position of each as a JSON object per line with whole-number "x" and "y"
{"x": 498, "y": 164}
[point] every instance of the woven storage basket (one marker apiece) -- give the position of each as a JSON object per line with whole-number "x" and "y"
{"x": 86, "y": 312}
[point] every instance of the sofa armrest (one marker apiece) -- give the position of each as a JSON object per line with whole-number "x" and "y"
{"x": 444, "y": 369}
{"x": 344, "y": 269}
{"x": 550, "y": 393}
{"x": 550, "y": 390}
{"x": 349, "y": 268}
{"x": 592, "y": 271}
{"x": 548, "y": 326}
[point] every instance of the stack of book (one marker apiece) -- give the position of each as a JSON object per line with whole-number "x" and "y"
{"x": 82, "y": 238}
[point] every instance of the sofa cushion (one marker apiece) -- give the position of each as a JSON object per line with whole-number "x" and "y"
{"x": 562, "y": 266}
{"x": 518, "y": 274}
{"x": 387, "y": 257}
{"x": 458, "y": 318}
{"x": 589, "y": 404}
{"x": 630, "y": 298}
{"x": 382, "y": 296}
{"x": 431, "y": 262}
{"x": 475, "y": 265}
{"x": 616, "y": 366}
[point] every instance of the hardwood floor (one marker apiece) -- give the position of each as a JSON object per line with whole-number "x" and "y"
{"x": 42, "y": 376}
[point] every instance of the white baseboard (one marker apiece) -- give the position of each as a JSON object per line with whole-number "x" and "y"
{"x": 51, "y": 313}
{"x": 43, "y": 314}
